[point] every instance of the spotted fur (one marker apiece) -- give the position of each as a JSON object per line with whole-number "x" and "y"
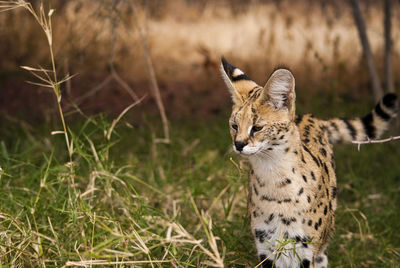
{"x": 292, "y": 183}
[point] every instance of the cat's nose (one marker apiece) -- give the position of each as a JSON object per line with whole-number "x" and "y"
{"x": 239, "y": 145}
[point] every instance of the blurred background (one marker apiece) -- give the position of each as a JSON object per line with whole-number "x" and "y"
{"x": 157, "y": 184}
{"x": 99, "y": 42}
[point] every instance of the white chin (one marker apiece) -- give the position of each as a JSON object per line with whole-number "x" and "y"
{"x": 249, "y": 151}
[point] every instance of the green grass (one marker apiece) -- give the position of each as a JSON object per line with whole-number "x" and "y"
{"x": 182, "y": 203}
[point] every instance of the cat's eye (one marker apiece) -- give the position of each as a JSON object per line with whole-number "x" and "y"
{"x": 255, "y": 129}
{"x": 235, "y": 127}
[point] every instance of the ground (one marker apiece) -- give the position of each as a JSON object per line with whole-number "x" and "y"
{"x": 184, "y": 202}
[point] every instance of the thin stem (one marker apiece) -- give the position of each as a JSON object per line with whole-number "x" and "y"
{"x": 45, "y": 23}
{"x": 359, "y": 143}
{"x": 153, "y": 81}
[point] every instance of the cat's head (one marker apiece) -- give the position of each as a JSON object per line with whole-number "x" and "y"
{"x": 262, "y": 117}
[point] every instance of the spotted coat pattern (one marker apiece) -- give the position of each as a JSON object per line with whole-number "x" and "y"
{"x": 292, "y": 183}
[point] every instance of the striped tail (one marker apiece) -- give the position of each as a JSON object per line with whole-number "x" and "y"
{"x": 371, "y": 126}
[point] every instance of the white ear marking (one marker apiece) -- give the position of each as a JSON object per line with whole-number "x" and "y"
{"x": 237, "y": 81}
{"x": 235, "y": 95}
{"x": 237, "y": 72}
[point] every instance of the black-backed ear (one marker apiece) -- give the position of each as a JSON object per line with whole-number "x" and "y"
{"x": 279, "y": 91}
{"x": 239, "y": 83}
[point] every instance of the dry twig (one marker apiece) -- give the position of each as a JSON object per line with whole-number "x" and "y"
{"x": 153, "y": 81}
{"x": 362, "y": 32}
{"x": 113, "y": 72}
{"x": 374, "y": 141}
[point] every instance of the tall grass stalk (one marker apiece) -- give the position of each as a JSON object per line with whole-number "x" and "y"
{"x": 44, "y": 75}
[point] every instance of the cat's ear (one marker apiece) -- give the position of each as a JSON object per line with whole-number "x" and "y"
{"x": 279, "y": 91}
{"x": 239, "y": 83}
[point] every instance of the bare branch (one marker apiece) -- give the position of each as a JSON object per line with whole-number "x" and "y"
{"x": 362, "y": 32}
{"x": 153, "y": 81}
{"x": 114, "y": 73}
{"x": 358, "y": 143}
{"x": 122, "y": 83}
{"x": 389, "y": 85}
{"x": 93, "y": 91}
